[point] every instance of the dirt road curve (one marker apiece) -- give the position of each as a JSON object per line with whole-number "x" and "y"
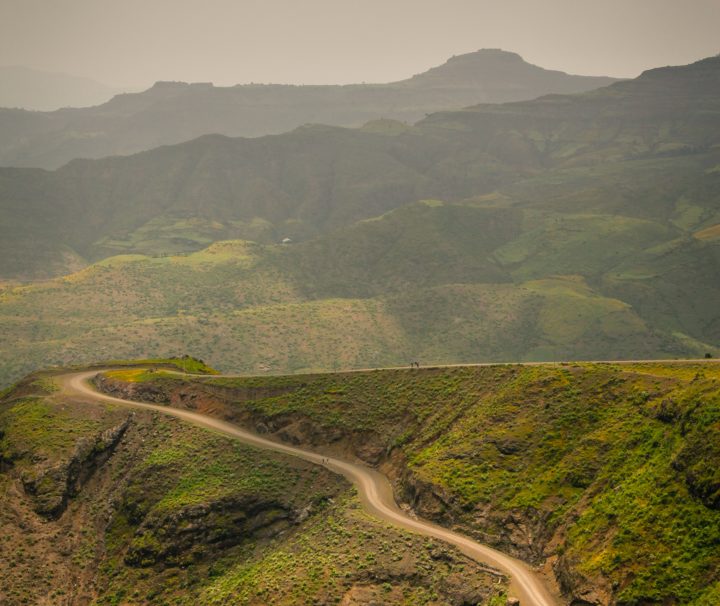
{"x": 373, "y": 487}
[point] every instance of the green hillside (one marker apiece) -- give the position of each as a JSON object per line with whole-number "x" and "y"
{"x": 570, "y": 227}
{"x": 431, "y": 281}
{"x": 645, "y": 148}
{"x": 606, "y": 475}
{"x": 102, "y": 506}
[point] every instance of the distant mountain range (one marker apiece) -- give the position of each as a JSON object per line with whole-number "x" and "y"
{"x": 172, "y": 112}
{"x": 318, "y": 178}
{"x": 33, "y": 89}
{"x": 570, "y": 226}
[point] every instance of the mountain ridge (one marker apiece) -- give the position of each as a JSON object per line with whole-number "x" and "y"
{"x": 172, "y": 112}
{"x": 489, "y": 62}
{"x": 325, "y": 176}
{"x": 577, "y": 226}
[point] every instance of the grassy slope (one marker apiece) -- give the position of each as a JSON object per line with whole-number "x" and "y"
{"x": 541, "y": 319}
{"x": 439, "y": 282}
{"x": 118, "y": 540}
{"x": 613, "y": 470}
{"x": 604, "y": 186}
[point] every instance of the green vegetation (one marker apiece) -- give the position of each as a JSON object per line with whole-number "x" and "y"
{"x": 614, "y": 467}
{"x": 344, "y": 540}
{"x": 435, "y": 282}
{"x": 178, "y": 515}
{"x": 38, "y": 427}
{"x": 185, "y": 363}
{"x": 221, "y": 469}
{"x": 572, "y": 227}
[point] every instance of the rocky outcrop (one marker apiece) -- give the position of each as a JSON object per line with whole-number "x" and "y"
{"x": 52, "y": 487}
{"x": 428, "y": 500}
{"x": 180, "y": 536}
{"x": 523, "y": 533}
{"x": 381, "y": 583}
{"x": 142, "y": 392}
{"x": 5, "y": 461}
{"x": 696, "y": 462}
{"x": 580, "y": 590}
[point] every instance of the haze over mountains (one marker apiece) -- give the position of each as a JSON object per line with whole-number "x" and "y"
{"x": 371, "y": 274}
{"x": 317, "y": 178}
{"x": 33, "y": 89}
{"x": 331, "y": 333}
{"x": 172, "y": 112}
{"x": 568, "y": 226}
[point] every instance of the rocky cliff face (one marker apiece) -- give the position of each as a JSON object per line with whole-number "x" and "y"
{"x": 186, "y": 535}
{"x": 53, "y": 485}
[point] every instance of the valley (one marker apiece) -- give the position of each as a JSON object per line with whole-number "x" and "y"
{"x": 431, "y": 281}
{"x": 567, "y": 227}
{"x": 103, "y": 506}
{"x": 546, "y": 462}
{"x": 442, "y": 339}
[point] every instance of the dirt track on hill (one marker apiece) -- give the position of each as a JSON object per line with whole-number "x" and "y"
{"x": 374, "y": 489}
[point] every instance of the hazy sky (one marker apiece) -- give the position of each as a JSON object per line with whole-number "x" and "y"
{"x": 135, "y": 42}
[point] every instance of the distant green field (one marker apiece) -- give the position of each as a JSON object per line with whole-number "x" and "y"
{"x": 437, "y": 282}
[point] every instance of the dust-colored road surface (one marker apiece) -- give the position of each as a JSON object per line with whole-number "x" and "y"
{"x": 373, "y": 487}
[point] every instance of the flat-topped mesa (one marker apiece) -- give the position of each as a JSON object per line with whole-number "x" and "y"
{"x": 491, "y": 67}
{"x": 177, "y": 85}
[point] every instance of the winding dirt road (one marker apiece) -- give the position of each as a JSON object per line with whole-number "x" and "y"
{"x": 374, "y": 489}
